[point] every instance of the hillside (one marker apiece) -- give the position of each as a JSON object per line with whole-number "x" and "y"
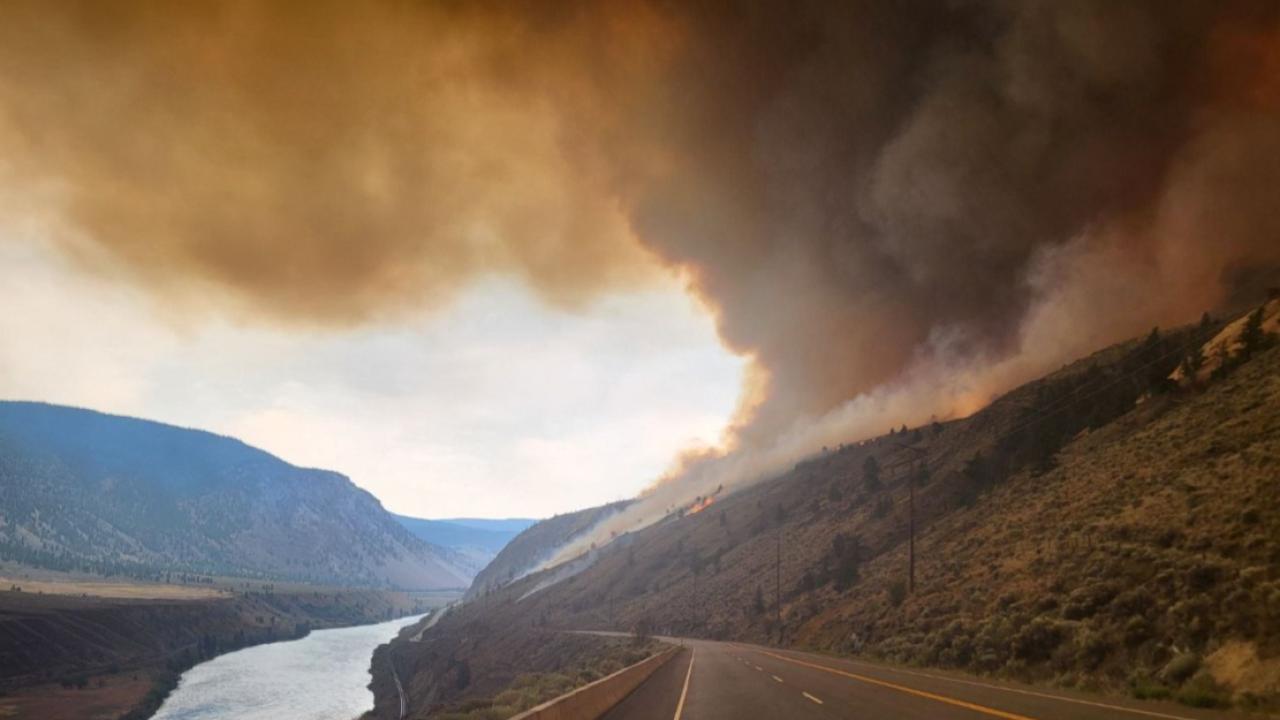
{"x": 474, "y": 542}
{"x": 1099, "y": 528}
{"x": 81, "y": 490}
{"x": 535, "y": 544}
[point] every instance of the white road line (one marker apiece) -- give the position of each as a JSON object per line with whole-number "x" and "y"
{"x": 775, "y": 677}
{"x": 399, "y": 687}
{"x": 811, "y": 697}
{"x": 685, "y": 691}
{"x": 758, "y": 668}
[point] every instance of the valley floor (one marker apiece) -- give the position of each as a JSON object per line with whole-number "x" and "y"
{"x": 66, "y": 654}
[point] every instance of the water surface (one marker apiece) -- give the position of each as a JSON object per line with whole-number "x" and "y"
{"x": 320, "y": 677}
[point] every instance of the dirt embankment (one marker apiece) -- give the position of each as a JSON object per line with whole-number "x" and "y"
{"x": 472, "y": 670}
{"x": 64, "y": 656}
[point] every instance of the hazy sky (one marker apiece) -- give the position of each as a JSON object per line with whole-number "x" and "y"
{"x": 491, "y": 406}
{"x": 336, "y": 219}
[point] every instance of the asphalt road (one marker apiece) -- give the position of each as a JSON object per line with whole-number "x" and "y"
{"x": 731, "y": 681}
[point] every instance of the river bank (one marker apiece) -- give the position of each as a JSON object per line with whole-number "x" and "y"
{"x": 87, "y": 658}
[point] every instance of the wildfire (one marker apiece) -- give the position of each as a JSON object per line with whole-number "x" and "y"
{"x": 701, "y": 504}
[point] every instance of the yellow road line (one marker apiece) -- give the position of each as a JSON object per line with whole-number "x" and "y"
{"x": 903, "y": 688}
{"x": 1029, "y": 693}
{"x": 1032, "y": 693}
{"x": 688, "y": 674}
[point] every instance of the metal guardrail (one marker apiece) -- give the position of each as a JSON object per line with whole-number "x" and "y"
{"x": 595, "y": 699}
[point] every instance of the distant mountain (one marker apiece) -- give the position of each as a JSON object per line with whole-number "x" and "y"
{"x": 512, "y": 525}
{"x": 84, "y": 490}
{"x": 476, "y": 541}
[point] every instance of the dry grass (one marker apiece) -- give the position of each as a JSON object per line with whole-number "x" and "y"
{"x": 102, "y": 699}
{"x": 124, "y": 590}
{"x": 1154, "y": 536}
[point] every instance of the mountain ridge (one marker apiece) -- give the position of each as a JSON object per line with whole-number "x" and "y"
{"x": 473, "y": 545}
{"x": 115, "y": 494}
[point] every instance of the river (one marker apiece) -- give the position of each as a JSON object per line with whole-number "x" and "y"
{"x": 320, "y": 677}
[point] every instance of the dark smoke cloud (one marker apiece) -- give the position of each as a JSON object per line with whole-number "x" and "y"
{"x": 863, "y": 179}
{"x": 870, "y": 195}
{"x": 323, "y": 162}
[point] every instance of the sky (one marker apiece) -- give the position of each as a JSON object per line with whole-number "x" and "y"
{"x": 494, "y": 405}
{"x": 534, "y": 251}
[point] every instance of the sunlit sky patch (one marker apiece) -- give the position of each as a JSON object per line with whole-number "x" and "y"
{"x": 494, "y": 405}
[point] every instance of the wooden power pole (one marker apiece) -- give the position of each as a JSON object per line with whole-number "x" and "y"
{"x": 913, "y": 473}
{"x": 777, "y": 582}
{"x": 911, "y": 536}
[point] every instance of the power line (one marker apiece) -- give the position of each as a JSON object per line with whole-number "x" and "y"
{"x": 1076, "y": 398}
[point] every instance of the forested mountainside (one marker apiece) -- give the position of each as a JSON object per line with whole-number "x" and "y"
{"x": 81, "y": 490}
{"x": 1105, "y": 527}
{"x": 536, "y": 544}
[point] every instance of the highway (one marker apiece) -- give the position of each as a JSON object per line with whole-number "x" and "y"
{"x": 732, "y": 681}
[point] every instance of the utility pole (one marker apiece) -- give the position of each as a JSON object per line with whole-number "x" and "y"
{"x": 695, "y": 597}
{"x": 777, "y": 582}
{"x": 913, "y": 472}
{"x": 911, "y": 537}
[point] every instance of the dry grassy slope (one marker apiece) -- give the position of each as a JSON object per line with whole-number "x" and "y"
{"x": 1155, "y": 534}
{"x": 1158, "y": 534}
{"x": 535, "y": 544}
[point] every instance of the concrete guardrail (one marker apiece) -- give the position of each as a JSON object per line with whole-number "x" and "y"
{"x": 595, "y": 699}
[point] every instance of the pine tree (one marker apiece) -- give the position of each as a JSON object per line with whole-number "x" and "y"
{"x": 1192, "y": 363}
{"x": 871, "y": 473}
{"x": 1252, "y": 337}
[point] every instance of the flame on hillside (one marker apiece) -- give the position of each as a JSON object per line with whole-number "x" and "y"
{"x": 702, "y": 504}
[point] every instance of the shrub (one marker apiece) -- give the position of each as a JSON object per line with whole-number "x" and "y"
{"x": 1092, "y": 649}
{"x": 897, "y": 593}
{"x": 1133, "y": 602}
{"x": 1203, "y": 692}
{"x": 1038, "y": 639}
{"x": 1180, "y": 668}
{"x": 1148, "y": 690}
{"x": 1085, "y": 601}
{"x": 882, "y": 508}
{"x": 1202, "y": 577}
{"x": 1136, "y": 631}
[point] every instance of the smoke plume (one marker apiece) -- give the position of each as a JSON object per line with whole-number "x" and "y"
{"x": 896, "y": 209}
